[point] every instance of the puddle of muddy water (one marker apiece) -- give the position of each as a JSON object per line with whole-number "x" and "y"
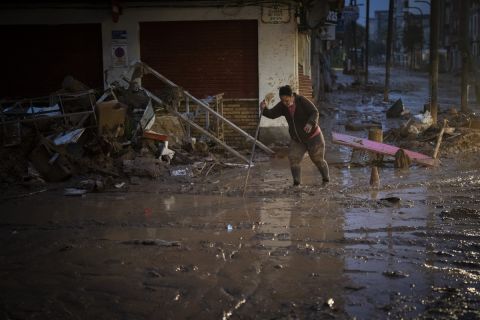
{"x": 143, "y": 254}
{"x": 399, "y": 254}
{"x": 314, "y": 252}
{"x": 281, "y": 257}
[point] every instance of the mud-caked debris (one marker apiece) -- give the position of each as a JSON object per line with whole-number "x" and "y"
{"x": 460, "y": 213}
{"x": 393, "y": 200}
{"x": 395, "y": 274}
{"x": 153, "y": 242}
{"x": 74, "y": 192}
{"x": 396, "y": 109}
{"x": 402, "y": 160}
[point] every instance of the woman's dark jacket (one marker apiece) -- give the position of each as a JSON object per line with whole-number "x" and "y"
{"x": 305, "y": 112}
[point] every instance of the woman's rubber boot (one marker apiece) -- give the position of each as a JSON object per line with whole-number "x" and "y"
{"x": 296, "y": 175}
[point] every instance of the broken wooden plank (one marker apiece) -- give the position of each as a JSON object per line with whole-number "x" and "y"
{"x": 369, "y": 145}
{"x": 439, "y": 140}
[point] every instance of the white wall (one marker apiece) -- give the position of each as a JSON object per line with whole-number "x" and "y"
{"x": 277, "y": 43}
{"x": 277, "y": 63}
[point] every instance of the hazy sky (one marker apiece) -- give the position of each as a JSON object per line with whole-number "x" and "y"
{"x": 383, "y": 5}
{"x": 374, "y": 6}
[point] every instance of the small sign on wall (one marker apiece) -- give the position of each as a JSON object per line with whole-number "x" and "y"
{"x": 119, "y": 48}
{"x": 275, "y": 13}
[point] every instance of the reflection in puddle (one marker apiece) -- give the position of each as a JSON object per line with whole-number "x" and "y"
{"x": 336, "y": 252}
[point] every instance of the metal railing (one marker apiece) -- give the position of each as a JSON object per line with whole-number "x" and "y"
{"x": 217, "y": 114}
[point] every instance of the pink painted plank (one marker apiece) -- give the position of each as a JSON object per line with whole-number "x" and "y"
{"x": 378, "y": 147}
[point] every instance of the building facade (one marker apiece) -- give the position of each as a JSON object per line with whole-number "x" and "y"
{"x": 244, "y": 52}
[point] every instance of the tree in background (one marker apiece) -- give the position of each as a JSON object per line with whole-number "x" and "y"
{"x": 351, "y": 43}
{"x": 412, "y": 40}
{"x": 376, "y": 52}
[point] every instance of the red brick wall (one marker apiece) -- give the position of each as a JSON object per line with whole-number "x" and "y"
{"x": 243, "y": 113}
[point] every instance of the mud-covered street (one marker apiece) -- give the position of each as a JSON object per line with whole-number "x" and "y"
{"x": 197, "y": 249}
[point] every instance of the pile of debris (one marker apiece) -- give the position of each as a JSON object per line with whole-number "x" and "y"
{"x": 118, "y": 136}
{"x": 417, "y": 139}
{"x": 460, "y": 131}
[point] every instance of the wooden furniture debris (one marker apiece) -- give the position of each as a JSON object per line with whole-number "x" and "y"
{"x": 381, "y": 148}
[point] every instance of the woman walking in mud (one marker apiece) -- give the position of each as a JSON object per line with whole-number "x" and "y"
{"x": 305, "y": 133}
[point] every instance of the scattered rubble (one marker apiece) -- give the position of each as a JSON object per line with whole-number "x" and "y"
{"x": 127, "y": 135}
{"x": 419, "y": 133}
{"x": 121, "y": 134}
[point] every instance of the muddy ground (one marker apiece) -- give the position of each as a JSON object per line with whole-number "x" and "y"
{"x": 197, "y": 249}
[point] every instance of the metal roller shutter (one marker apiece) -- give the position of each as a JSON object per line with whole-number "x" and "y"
{"x": 36, "y": 58}
{"x": 204, "y": 57}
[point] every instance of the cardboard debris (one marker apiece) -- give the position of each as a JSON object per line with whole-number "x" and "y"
{"x": 111, "y": 118}
{"x": 170, "y": 126}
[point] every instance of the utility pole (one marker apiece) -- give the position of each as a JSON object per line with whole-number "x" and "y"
{"x": 434, "y": 33}
{"x": 389, "y": 50}
{"x": 367, "y": 39}
{"x": 464, "y": 7}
